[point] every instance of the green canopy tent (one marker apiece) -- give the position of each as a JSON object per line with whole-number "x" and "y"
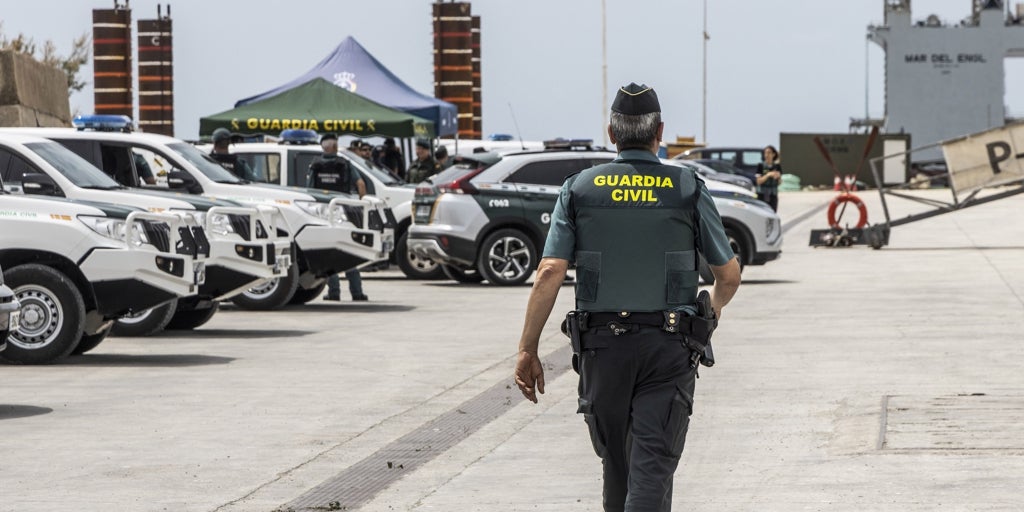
{"x": 320, "y": 106}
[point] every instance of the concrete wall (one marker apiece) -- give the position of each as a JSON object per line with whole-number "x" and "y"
{"x": 31, "y": 93}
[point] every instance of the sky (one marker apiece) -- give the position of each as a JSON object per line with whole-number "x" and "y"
{"x": 773, "y": 65}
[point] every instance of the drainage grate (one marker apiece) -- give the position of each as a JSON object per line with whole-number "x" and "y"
{"x": 360, "y": 482}
{"x": 965, "y": 422}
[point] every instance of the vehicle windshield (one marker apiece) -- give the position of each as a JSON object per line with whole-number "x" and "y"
{"x": 204, "y": 163}
{"x": 75, "y": 168}
{"x": 373, "y": 169}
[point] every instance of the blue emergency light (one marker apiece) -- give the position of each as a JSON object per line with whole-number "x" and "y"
{"x": 103, "y": 123}
{"x": 298, "y": 136}
{"x": 500, "y": 137}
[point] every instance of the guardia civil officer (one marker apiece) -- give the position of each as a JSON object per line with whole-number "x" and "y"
{"x": 229, "y": 161}
{"x": 332, "y": 172}
{"x": 633, "y": 227}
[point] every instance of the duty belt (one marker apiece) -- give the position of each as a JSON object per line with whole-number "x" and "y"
{"x": 623, "y": 321}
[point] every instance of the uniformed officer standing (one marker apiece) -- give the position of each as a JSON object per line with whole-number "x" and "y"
{"x": 229, "y": 161}
{"x": 425, "y": 166}
{"x": 331, "y": 172}
{"x": 634, "y": 228}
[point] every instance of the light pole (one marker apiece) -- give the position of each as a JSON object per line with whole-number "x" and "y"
{"x": 704, "y": 107}
{"x": 604, "y": 71}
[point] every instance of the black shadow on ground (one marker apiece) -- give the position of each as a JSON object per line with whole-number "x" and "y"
{"x": 358, "y": 307}
{"x": 232, "y": 333}
{"x": 14, "y": 411}
{"x": 146, "y": 360}
{"x": 746, "y": 282}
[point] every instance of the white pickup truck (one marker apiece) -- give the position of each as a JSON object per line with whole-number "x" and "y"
{"x": 242, "y": 243}
{"x": 77, "y": 266}
{"x": 332, "y": 233}
{"x": 287, "y": 163}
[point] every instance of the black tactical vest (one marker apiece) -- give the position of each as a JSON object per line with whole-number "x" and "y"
{"x": 636, "y": 227}
{"x": 228, "y": 161}
{"x": 330, "y": 172}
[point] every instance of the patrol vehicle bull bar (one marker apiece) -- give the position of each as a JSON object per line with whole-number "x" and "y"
{"x": 184, "y": 237}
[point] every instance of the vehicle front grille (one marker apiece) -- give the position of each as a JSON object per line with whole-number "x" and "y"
{"x": 354, "y": 214}
{"x": 241, "y": 225}
{"x": 159, "y": 234}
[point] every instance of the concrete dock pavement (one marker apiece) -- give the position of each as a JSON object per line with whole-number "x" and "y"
{"x": 847, "y": 379}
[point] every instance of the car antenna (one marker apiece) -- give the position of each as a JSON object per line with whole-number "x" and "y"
{"x": 516, "y": 123}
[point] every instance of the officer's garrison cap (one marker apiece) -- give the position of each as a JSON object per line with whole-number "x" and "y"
{"x": 636, "y": 100}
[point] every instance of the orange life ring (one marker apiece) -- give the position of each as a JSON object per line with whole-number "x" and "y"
{"x": 847, "y": 198}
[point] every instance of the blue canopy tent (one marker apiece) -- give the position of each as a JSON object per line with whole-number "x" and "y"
{"x": 351, "y": 67}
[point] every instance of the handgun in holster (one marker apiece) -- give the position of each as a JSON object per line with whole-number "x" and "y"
{"x": 702, "y": 326}
{"x": 571, "y": 328}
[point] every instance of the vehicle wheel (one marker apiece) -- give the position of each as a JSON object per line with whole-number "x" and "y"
{"x": 739, "y": 246}
{"x": 467, "y": 276}
{"x": 146, "y": 322}
{"x": 304, "y": 295}
{"x": 188, "y": 320}
{"x": 413, "y": 266}
{"x": 507, "y": 258}
{"x": 275, "y": 294}
{"x": 52, "y": 315}
{"x": 91, "y": 341}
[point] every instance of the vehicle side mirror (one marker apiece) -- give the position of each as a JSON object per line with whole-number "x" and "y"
{"x": 40, "y": 185}
{"x": 178, "y": 179}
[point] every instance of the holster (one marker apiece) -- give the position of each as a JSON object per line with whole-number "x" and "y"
{"x": 574, "y": 323}
{"x": 702, "y": 326}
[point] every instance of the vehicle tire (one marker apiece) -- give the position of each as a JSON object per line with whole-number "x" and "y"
{"x": 738, "y": 242}
{"x": 413, "y": 266}
{"x": 147, "y": 322}
{"x": 465, "y": 276}
{"x": 304, "y": 295}
{"x": 91, "y": 341}
{"x": 507, "y": 258}
{"x": 273, "y": 295}
{"x": 52, "y": 315}
{"x": 188, "y": 320}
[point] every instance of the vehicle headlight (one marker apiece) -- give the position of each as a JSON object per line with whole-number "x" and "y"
{"x": 220, "y": 224}
{"x": 318, "y": 210}
{"x": 321, "y": 211}
{"x": 115, "y": 229}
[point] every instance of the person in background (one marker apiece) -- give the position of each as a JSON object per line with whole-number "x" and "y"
{"x": 392, "y": 158}
{"x": 441, "y": 155}
{"x": 231, "y": 162}
{"x": 768, "y": 177}
{"x": 142, "y": 168}
{"x": 425, "y": 166}
{"x": 331, "y": 172}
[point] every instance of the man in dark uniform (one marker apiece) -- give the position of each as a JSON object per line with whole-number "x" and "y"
{"x": 425, "y": 166}
{"x": 331, "y": 172}
{"x": 231, "y": 162}
{"x": 634, "y": 228}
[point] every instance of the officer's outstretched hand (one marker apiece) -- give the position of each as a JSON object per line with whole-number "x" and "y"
{"x": 529, "y": 375}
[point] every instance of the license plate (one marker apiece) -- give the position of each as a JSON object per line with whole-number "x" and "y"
{"x": 423, "y": 211}
{"x": 14, "y": 322}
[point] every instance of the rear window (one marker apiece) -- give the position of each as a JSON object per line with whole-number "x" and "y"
{"x": 452, "y": 173}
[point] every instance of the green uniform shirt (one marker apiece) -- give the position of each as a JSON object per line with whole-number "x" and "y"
{"x": 713, "y": 244}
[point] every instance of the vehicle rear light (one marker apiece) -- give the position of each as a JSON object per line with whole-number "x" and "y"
{"x": 459, "y": 186}
{"x": 424, "y": 191}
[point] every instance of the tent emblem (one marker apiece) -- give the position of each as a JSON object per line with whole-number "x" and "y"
{"x": 345, "y": 80}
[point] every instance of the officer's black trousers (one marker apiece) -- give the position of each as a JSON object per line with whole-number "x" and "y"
{"x": 636, "y": 394}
